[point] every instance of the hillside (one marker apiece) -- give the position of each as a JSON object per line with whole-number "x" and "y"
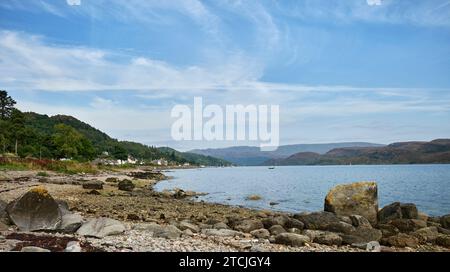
{"x": 44, "y": 126}
{"x": 251, "y": 156}
{"x": 437, "y": 151}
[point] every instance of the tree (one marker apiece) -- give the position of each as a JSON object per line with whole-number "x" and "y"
{"x": 119, "y": 153}
{"x": 6, "y": 105}
{"x": 69, "y": 143}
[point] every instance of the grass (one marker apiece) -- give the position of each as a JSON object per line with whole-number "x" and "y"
{"x": 65, "y": 167}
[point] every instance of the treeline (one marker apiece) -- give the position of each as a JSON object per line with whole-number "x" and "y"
{"x": 40, "y": 136}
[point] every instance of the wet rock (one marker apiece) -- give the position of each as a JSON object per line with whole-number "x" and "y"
{"x": 317, "y": 220}
{"x": 249, "y": 225}
{"x": 408, "y": 225}
{"x": 261, "y": 233}
{"x": 34, "y": 249}
{"x": 101, "y": 227}
{"x": 443, "y": 240}
{"x": 186, "y": 225}
{"x": 71, "y": 222}
{"x": 359, "y": 198}
{"x": 428, "y": 234}
{"x": 276, "y": 229}
{"x": 390, "y": 212}
{"x": 292, "y": 239}
{"x": 35, "y": 210}
{"x": 402, "y": 240}
{"x": 93, "y": 185}
{"x": 360, "y": 221}
{"x": 126, "y": 185}
{"x": 445, "y": 221}
{"x": 222, "y": 233}
{"x": 409, "y": 211}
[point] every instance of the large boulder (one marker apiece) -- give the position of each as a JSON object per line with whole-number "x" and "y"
{"x": 126, "y": 185}
{"x": 71, "y": 222}
{"x": 361, "y": 235}
{"x": 3, "y": 214}
{"x": 101, "y": 227}
{"x": 35, "y": 210}
{"x": 261, "y": 233}
{"x": 408, "y": 225}
{"x": 402, "y": 240}
{"x": 409, "y": 211}
{"x": 360, "y": 198}
{"x": 292, "y": 239}
{"x": 390, "y": 212}
{"x": 428, "y": 234}
{"x": 93, "y": 185}
{"x": 276, "y": 229}
{"x": 445, "y": 221}
{"x": 323, "y": 237}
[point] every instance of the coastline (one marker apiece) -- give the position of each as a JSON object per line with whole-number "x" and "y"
{"x": 184, "y": 224}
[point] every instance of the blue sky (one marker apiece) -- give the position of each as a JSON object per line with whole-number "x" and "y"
{"x": 353, "y": 70}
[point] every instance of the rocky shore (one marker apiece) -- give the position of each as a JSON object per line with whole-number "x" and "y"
{"x": 120, "y": 211}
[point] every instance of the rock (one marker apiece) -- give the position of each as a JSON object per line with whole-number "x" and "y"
{"x": 388, "y": 230}
{"x": 443, "y": 231}
{"x": 186, "y": 225}
{"x": 409, "y": 211}
{"x": 361, "y": 235}
{"x": 402, "y": 240}
{"x": 261, "y": 233}
{"x": 93, "y": 185}
{"x": 35, "y": 210}
{"x": 94, "y": 192}
{"x": 220, "y": 225}
{"x": 295, "y": 230}
{"x": 112, "y": 180}
{"x": 360, "y": 221}
{"x": 73, "y": 246}
{"x": 133, "y": 217}
{"x": 222, "y": 233}
{"x": 71, "y": 222}
{"x": 373, "y": 246}
{"x": 428, "y": 234}
{"x": 294, "y": 223}
{"x": 278, "y": 220}
{"x": 341, "y": 227}
{"x": 253, "y": 197}
{"x": 273, "y": 203}
{"x": 179, "y": 194}
{"x": 327, "y": 238}
{"x": 408, "y": 225}
{"x": 345, "y": 219}
{"x": 443, "y": 240}
{"x": 168, "y": 232}
{"x": 188, "y": 232}
{"x": 445, "y": 221}
{"x": 248, "y": 225}
{"x": 126, "y": 185}
{"x": 390, "y": 212}
{"x": 3, "y": 226}
{"x": 359, "y": 198}
{"x": 101, "y": 227}
{"x": 317, "y": 220}
{"x": 291, "y": 239}
{"x": 423, "y": 216}
{"x": 3, "y": 214}
{"x": 34, "y": 249}
{"x": 276, "y": 229}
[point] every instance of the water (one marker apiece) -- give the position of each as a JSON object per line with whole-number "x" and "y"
{"x": 303, "y": 188}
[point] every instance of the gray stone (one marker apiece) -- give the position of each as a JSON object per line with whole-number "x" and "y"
{"x": 317, "y": 220}
{"x": 101, "y": 227}
{"x": 292, "y": 239}
{"x": 220, "y": 225}
{"x": 340, "y": 227}
{"x": 345, "y": 219}
{"x": 373, "y": 246}
{"x": 168, "y": 232}
{"x": 327, "y": 238}
{"x": 3, "y": 214}
{"x": 294, "y": 223}
{"x": 71, "y": 222}
{"x": 408, "y": 225}
{"x": 360, "y": 221}
{"x": 73, "y": 246}
{"x": 272, "y": 221}
{"x": 402, "y": 240}
{"x": 390, "y": 212}
{"x": 186, "y": 225}
{"x": 126, "y": 185}
{"x": 409, "y": 211}
{"x": 428, "y": 234}
{"x": 34, "y": 249}
{"x": 361, "y": 235}
{"x": 3, "y": 227}
{"x": 35, "y": 210}
{"x": 248, "y": 225}
{"x": 261, "y": 233}
{"x": 276, "y": 229}
{"x": 93, "y": 185}
{"x": 222, "y": 233}
{"x": 360, "y": 198}
{"x": 388, "y": 230}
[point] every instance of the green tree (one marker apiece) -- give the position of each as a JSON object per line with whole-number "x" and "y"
{"x": 6, "y": 105}
{"x": 69, "y": 143}
{"x": 119, "y": 152}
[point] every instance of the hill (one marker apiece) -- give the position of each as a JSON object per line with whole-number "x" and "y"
{"x": 436, "y": 151}
{"x": 251, "y": 156}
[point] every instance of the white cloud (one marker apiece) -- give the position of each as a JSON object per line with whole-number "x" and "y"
{"x": 374, "y": 2}
{"x": 73, "y": 2}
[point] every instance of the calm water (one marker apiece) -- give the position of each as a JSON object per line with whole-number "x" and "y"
{"x": 303, "y": 188}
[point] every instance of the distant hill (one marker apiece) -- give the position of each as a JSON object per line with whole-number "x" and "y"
{"x": 44, "y": 125}
{"x": 437, "y": 151}
{"x": 251, "y": 156}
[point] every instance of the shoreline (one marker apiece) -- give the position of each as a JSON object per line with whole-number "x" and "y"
{"x": 181, "y": 221}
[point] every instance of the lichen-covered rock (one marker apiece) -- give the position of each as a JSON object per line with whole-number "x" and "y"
{"x": 35, "y": 210}
{"x": 291, "y": 239}
{"x": 359, "y": 198}
{"x": 126, "y": 185}
{"x": 402, "y": 240}
{"x": 428, "y": 234}
{"x": 360, "y": 221}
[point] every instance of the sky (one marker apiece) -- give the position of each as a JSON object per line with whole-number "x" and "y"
{"x": 353, "y": 70}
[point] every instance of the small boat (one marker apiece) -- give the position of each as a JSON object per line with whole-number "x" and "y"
{"x": 272, "y": 167}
